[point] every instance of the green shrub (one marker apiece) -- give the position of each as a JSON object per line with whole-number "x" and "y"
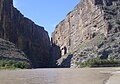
{"x": 99, "y": 63}
{"x": 14, "y": 64}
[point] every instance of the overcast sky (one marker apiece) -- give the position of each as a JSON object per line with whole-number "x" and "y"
{"x": 46, "y": 13}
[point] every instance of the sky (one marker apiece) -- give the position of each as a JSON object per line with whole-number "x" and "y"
{"x": 46, "y": 13}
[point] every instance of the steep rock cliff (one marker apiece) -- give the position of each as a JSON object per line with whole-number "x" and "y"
{"x": 91, "y": 30}
{"x": 25, "y": 34}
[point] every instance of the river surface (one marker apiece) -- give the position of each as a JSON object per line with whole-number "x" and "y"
{"x": 55, "y": 76}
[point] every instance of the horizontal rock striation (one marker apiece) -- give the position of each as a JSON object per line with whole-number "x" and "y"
{"x": 8, "y": 51}
{"x": 89, "y": 26}
{"x": 25, "y": 34}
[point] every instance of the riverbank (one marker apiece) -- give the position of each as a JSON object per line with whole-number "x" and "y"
{"x": 61, "y": 76}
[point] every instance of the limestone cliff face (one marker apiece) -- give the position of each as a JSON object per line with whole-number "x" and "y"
{"x": 26, "y": 35}
{"x": 91, "y": 23}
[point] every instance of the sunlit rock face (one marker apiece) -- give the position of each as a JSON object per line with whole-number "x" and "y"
{"x": 27, "y": 36}
{"x": 88, "y": 30}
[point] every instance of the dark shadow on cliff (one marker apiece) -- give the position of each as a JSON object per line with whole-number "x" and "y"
{"x": 55, "y": 54}
{"x": 66, "y": 63}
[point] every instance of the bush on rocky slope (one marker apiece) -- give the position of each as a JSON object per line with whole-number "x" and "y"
{"x": 7, "y": 64}
{"x": 99, "y": 63}
{"x": 11, "y": 57}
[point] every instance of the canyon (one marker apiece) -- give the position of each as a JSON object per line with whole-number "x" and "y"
{"x": 90, "y": 31}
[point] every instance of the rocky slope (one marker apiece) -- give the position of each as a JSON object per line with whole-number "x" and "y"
{"x": 8, "y": 51}
{"x": 91, "y": 30}
{"x": 25, "y": 34}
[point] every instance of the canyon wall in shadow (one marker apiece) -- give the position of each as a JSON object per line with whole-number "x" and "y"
{"x": 32, "y": 39}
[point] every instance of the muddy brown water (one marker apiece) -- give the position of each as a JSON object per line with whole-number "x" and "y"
{"x": 54, "y": 76}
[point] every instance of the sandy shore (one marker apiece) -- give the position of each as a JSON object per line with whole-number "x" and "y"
{"x": 62, "y": 76}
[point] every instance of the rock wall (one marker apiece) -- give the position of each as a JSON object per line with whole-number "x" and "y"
{"x": 8, "y": 51}
{"x": 27, "y": 36}
{"x": 90, "y": 19}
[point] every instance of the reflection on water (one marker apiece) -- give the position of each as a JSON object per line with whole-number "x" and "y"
{"x": 51, "y": 76}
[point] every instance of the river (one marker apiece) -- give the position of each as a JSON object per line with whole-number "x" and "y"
{"x": 55, "y": 76}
